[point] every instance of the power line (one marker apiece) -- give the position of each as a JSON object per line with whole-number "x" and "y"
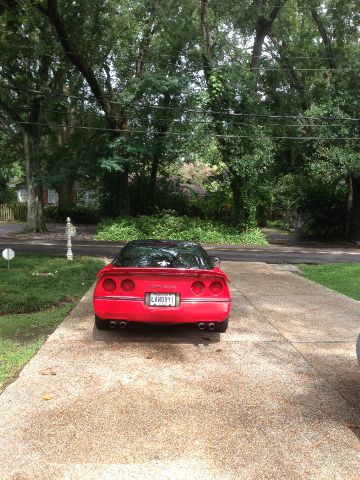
{"x": 203, "y": 112}
{"x": 288, "y": 57}
{"x": 183, "y": 122}
{"x": 181, "y": 134}
{"x": 301, "y": 57}
{"x": 229, "y": 63}
{"x": 257, "y": 115}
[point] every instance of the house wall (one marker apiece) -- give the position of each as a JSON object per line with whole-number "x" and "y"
{"x": 50, "y": 197}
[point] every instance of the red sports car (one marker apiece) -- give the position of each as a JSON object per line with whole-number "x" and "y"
{"x": 163, "y": 282}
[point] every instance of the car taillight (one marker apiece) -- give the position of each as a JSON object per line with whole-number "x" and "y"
{"x": 109, "y": 285}
{"x": 127, "y": 285}
{"x": 216, "y": 288}
{"x": 198, "y": 288}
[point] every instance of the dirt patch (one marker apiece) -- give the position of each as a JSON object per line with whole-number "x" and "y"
{"x": 56, "y": 231}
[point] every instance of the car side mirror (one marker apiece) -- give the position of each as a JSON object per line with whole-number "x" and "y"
{"x": 216, "y": 260}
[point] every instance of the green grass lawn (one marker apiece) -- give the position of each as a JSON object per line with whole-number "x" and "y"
{"x": 33, "y": 303}
{"x": 343, "y": 278}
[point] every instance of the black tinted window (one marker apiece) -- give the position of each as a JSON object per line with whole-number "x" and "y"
{"x": 163, "y": 255}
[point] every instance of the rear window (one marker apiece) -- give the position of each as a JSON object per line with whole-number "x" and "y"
{"x": 164, "y": 256}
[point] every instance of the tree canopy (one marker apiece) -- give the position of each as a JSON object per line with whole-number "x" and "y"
{"x": 120, "y": 94}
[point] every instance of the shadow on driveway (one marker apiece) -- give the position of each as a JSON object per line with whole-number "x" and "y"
{"x": 318, "y": 374}
{"x": 150, "y": 334}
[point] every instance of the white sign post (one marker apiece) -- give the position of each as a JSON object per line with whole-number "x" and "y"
{"x": 70, "y": 232}
{"x": 8, "y": 254}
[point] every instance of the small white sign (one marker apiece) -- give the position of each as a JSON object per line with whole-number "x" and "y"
{"x": 8, "y": 254}
{"x": 72, "y": 231}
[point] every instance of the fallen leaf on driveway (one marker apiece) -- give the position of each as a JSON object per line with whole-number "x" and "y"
{"x": 352, "y": 425}
{"x": 48, "y": 371}
{"x": 46, "y": 396}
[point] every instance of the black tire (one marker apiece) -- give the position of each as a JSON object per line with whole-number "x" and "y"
{"x": 222, "y": 326}
{"x": 101, "y": 324}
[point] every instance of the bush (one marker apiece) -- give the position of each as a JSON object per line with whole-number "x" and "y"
{"x": 323, "y": 212}
{"x": 217, "y": 204}
{"x": 167, "y": 192}
{"x": 168, "y": 225}
{"x": 7, "y": 195}
{"x": 77, "y": 214}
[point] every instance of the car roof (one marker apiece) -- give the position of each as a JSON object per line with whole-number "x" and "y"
{"x": 162, "y": 243}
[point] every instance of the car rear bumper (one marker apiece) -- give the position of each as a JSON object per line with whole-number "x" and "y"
{"x": 189, "y": 311}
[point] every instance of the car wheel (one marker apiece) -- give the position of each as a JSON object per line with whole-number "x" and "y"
{"x": 222, "y": 326}
{"x": 101, "y": 324}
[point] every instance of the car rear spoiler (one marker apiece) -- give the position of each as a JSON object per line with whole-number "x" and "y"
{"x": 163, "y": 272}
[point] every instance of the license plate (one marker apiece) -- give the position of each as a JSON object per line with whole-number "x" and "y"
{"x": 162, "y": 299}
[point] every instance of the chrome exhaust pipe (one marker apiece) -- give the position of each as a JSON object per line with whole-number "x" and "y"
{"x": 123, "y": 324}
{"x": 211, "y": 326}
{"x": 201, "y": 326}
{"x": 112, "y": 324}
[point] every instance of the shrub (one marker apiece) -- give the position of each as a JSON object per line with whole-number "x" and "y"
{"x": 324, "y": 212}
{"x": 168, "y": 225}
{"x": 7, "y": 195}
{"x": 77, "y": 214}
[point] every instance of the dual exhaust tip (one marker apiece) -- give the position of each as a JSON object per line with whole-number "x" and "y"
{"x": 203, "y": 326}
{"x": 121, "y": 324}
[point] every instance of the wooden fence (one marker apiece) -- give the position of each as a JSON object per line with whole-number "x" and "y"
{"x": 52, "y": 214}
{"x": 11, "y": 213}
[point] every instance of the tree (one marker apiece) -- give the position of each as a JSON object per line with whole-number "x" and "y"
{"x": 100, "y": 73}
{"x": 248, "y": 156}
{"x": 18, "y": 69}
{"x": 323, "y": 95}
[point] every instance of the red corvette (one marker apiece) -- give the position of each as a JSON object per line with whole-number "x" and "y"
{"x": 164, "y": 282}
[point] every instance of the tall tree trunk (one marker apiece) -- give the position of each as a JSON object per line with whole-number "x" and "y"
{"x": 152, "y": 181}
{"x": 124, "y": 201}
{"x": 64, "y": 189}
{"x": 244, "y": 210}
{"x": 325, "y": 38}
{"x": 354, "y": 230}
{"x": 156, "y": 160}
{"x": 35, "y": 218}
{"x": 65, "y": 194}
{"x": 330, "y": 79}
{"x": 349, "y": 205}
{"x": 238, "y": 204}
{"x": 115, "y": 194}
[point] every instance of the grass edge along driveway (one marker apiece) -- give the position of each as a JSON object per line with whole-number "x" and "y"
{"x": 37, "y": 293}
{"x": 340, "y": 277}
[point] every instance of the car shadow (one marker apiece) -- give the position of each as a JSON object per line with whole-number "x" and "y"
{"x": 143, "y": 333}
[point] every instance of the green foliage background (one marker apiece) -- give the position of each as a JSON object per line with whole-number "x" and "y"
{"x": 280, "y": 137}
{"x": 168, "y": 225}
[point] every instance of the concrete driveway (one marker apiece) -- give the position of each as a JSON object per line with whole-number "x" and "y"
{"x": 278, "y": 396}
